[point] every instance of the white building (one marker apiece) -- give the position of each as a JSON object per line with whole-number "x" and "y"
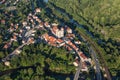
{"x": 18, "y": 52}
{"x": 58, "y": 32}
{"x": 7, "y": 63}
{"x": 69, "y": 30}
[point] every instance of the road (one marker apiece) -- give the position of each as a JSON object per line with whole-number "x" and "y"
{"x": 97, "y": 65}
{"x": 78, "y": 71}
{"x": 94, "y": 56}
{"x": 13, "y": 53}
{"x": 25, "y": 36}
{"x": 94, "y": 50}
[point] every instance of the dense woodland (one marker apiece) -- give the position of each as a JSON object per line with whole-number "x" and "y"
{"x": 103, "y": 16}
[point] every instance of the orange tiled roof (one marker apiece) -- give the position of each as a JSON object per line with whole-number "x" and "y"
{"x": 71, "y": 44}
{"x": 84, "y": 65}
{"x": 68, "y": 28}
{"x": 3, "y": 21}
{"x": 69, "y": 48}
{"x": 52, "y": 39}
{"x": 83, "y": 56}
{"x": 59, "y": 40}
{"x": 14, "y": 37}
{"x": 6, "y": 45}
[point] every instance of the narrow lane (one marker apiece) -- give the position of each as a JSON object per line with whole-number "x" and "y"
{"x": 78, "y": 71}
{"x": 13, "y": 53}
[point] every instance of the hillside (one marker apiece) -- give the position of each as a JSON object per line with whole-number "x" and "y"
{"x": 101, "y": 19}
{"x": 103, "y": 15}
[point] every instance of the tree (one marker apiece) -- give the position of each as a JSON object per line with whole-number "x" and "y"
{"x": 39, "y": 70}
{"x": 67, "y": 78}
{"x": 30, "y": 71}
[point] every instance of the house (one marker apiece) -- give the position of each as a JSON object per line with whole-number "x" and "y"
{"x": 70, "y": 36}
{"x": 52, "y": 39}
{"x": 32, "y": 34}
{"x": 15, "y": 33}
{"x": 20, "y": 33}
{"x": 24, "y": 23}
{"x": 82, "y": 56}
{"x": 12, "y": 24}
{"x": 69, "y": 30}
{"x": 24, "y": 41}
{"x": 38, "y": 20}
{"x": 41, "y": 24}
{"x": 3, "y": 21}
{"x": 30, "y": 14}
{"x": 76, "y": 63}
{"x": 35, "y": 17}
{"x": 72, "y": 45}
{"x": 16, "y": 26}
{"x": 54, "y": 24}
{"x": 59, "y": 41}
{"x": 27, "y": 27}
{"x": 31, "y": 40}
{"x": 37, "y": 10}
{"x": 48, "y": 38}
{"x": 11, "y": 29}
{"x": 68, "y": 48}
{"x": 21, "y": 30}
{"x": 61, "y": 44}
{"x": 84, "y": 67}
{"x": 7, "y": 63}
{"x": 77, "y": 42}
{"x": 17, "y": 52}
{"x": 31, "y": 20}
{"x": 47, "y": 24}
{"x": 6, "y": 46}
{"x": 58, "y": 32}
{"x": 45, "y": 36}
{"x": 14, "y": 38}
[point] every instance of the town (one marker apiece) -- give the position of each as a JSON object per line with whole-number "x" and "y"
{"x": 56, "y": 35}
